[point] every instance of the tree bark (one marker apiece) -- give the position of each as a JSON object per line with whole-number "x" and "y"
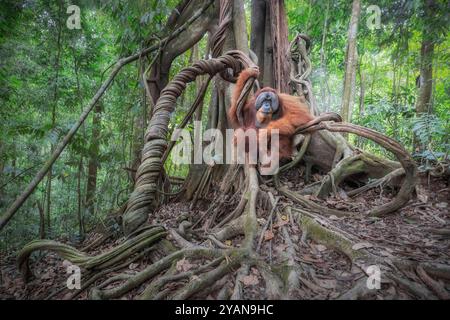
{"x": 41, "y": 220}
{"x": 425, "y": 83}
{"x": 280, "y": 45}
{"x": 198, "y": 84}
{"x": 270, "y": 44}
{"x": 257, "y": 36}
{"x": 55, "y": 103}
{"x": 220, "y": 101}
{"x": 324, "y": 89}
{"x": 80, "y": 200}
{"x": 159, "y": 74}
{"x": 139, "y": 130}
{"x": 2, "y": 176}
{"x": 91, "y": 183}
{"x": 350, "y": 63}
{"x": 423, "y": 103}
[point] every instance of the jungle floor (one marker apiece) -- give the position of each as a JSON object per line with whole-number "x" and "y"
{"x": 416, "y": 233}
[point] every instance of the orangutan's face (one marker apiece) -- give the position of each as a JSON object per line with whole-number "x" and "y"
{"x": 267, "y": 105}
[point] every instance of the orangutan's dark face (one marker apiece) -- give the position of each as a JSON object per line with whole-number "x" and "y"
{"x": 267, "y": 108}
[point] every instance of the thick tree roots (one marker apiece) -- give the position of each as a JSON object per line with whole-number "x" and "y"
{"x": 250, "y": 241}
{"x": 257, "y": 253}
{"x": 247, "y": 243}
{"x": 102, "y": 261}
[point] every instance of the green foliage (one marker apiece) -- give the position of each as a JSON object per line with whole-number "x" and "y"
{"x": 389, "y": 59}
{"x": 434, "y": 133}
{"x": 32, "y": 84}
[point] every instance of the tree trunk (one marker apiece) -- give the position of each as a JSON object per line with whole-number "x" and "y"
{"x": 257, "y": 36}
{"x": 138, "y": 128}
{"x": 362, "y": 91}
{"x": 362, "y": 95}
{"x": 220, "y": 101}
{"x": 199, "y": 81}
{"x": 425, "y": 84}
{"x": 350, "y": 63}
{"x": 2, "y": 176}
{"x": 80, "y": 200}
{"x": 80, "y": 206}
{"x": 270, "y": 44}
{"x": 55, "y": 103}
{"x": 324, "y": 88}
{"x": 280, "y": 45}
{"x": 262, "y": 40}
{"x": 425, "y": 81}
{"x": 41, "y": 220}
{"x": 158, "y": 77}
{"x": 91, "y": 183}
{"x": 159, "y": 74}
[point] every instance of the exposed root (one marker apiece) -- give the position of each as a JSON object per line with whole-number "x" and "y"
{"x": 417, "y": 289}
{"x": 208, "y": 278}
{"x": 357, "y": 164}
{"x": 102, "y": 261}
{"x": 155, "y": 287}
{"x": 319, "y": 229}
{"x": 98, "y": 275}
{"x": 378, "y": 182}
{"x": 237, "y": 291}
{"x": 305, "y": 202}
{"x": 151, "y": 271}
{"x": 352, "y": 166}
{"x": 221, "y": 266}
{"x": 232, "y": 229}
{"x": 434, "y": 285}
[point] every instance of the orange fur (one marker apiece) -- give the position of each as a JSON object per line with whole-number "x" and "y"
{"x": 249, "y": 113}
{"x": 293, "y": 113}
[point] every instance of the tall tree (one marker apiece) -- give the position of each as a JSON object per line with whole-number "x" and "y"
{"x": 54, "y": 105}
{"x": 350, "y": 63}
{"x": 425, "y": 80}
{"x": 270, "y": 43}
{"x": 94, "y": 148}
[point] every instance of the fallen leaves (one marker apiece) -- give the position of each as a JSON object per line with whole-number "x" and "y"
{"x": 250, "y": 280}
{"x": 268, "y": 235}
{"x": 442, "y": 205}
{"x": 327, "y": 283}
{"x": 361, "y": 245}
{"x": 321, "y": 247}
{"x": 184, "y": 265}
{"x": 280, "y": 224}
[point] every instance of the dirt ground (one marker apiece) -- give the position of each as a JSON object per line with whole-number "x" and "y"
{"x": 418, "y": 233}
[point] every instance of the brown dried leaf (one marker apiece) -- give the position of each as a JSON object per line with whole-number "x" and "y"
{"x": 184, "y": 265}
{"x": 308, "y": 258}
{"x": 268, "y": 235}
{"x": 255, "y": 271}
{"x": 327, "y": 283}
{"x": 250, "y": 280}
